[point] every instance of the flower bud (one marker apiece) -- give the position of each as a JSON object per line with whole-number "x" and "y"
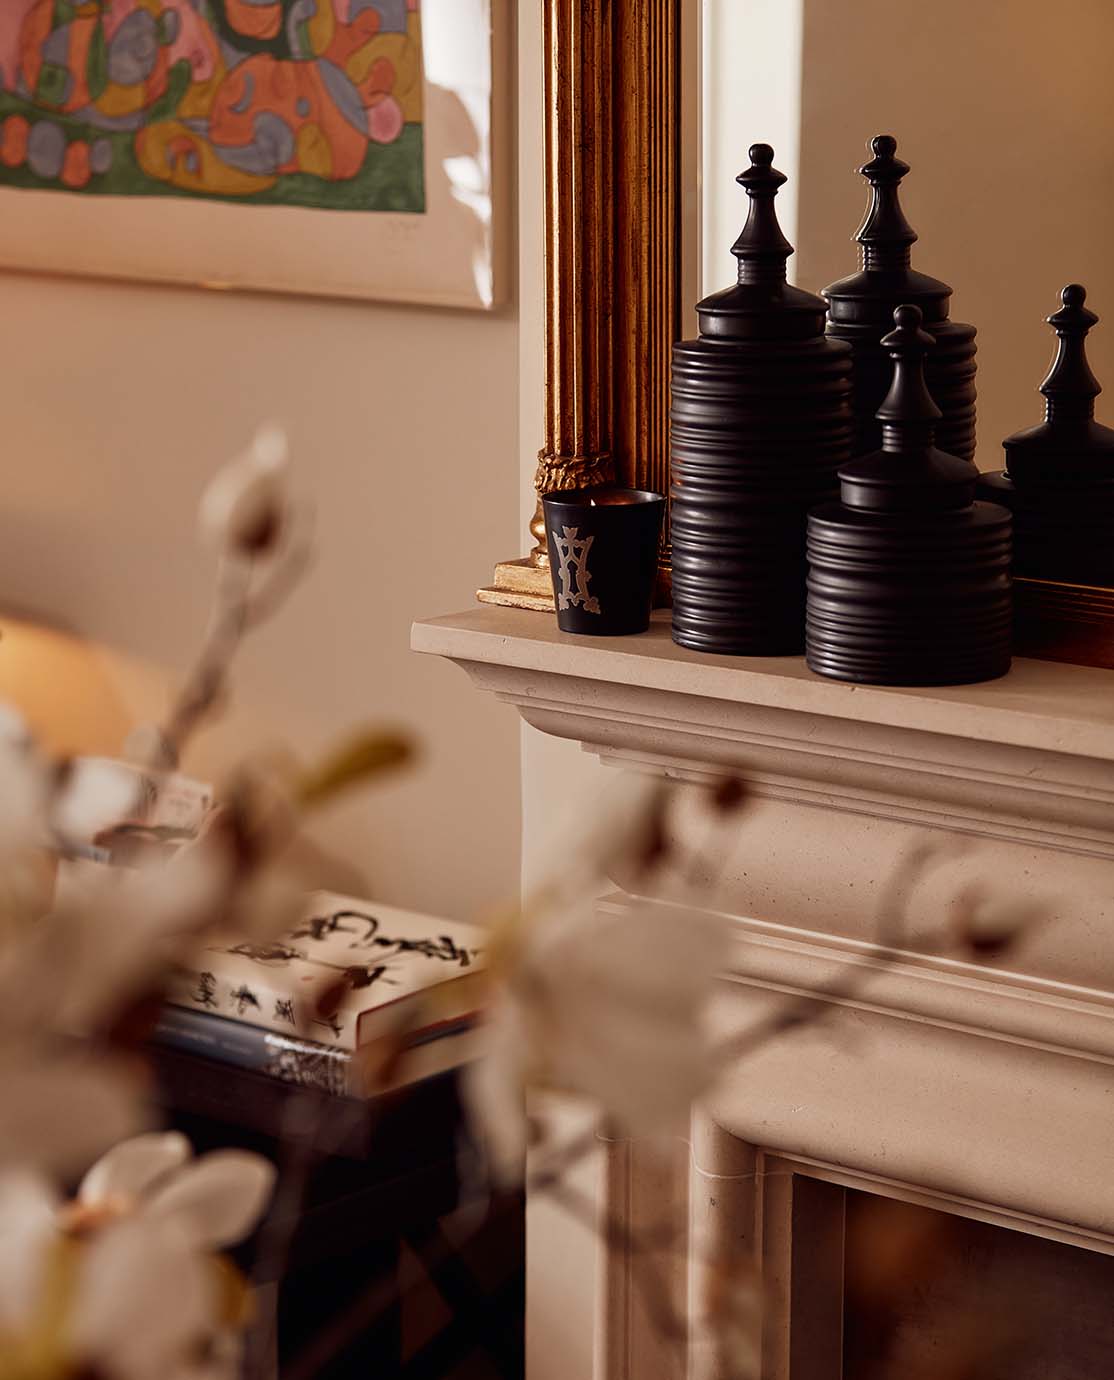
{"x": 243, "y": 507}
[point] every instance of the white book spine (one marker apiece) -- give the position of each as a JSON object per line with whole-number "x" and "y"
{"x": 262, "y": 1000}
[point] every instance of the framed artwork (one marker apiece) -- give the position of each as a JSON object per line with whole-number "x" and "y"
{"x": 337, "y": 147}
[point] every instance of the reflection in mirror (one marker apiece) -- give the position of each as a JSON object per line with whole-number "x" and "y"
{"x": 1003, "y": 112}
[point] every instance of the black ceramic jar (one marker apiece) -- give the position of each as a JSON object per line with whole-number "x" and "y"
{"x": 760, "y": 422}
{"x": 861, "y": 311}
{"x": 909, "y": 578}
{"x": 1059, "y": 475}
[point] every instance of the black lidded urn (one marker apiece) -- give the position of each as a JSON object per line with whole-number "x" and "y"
{"x": 861, "y": 309}
{"x": 1059, "y": 475}
{"x": 760, "y": 421}
{"x": 909, "y": 578}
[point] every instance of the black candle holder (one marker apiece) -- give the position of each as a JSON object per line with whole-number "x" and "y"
{"x": 1059, "y": 475}
{"x": 908, "y": 575}
{"x": 603, "y": 556}
{"x": 861, "y": 311}
{"x": 760, "y": 422}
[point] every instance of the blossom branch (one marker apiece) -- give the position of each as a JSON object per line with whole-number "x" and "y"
{"x": 264, "y": 551}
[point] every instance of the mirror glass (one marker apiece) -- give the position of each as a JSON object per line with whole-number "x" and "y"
{"x": 1004, "y": 110}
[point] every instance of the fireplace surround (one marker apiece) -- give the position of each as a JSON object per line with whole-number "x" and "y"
{"x": 982, "y": 1089}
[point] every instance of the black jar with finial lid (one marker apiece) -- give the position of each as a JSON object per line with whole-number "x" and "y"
{"x": 760, "y": 421}
{"x": 861, "y": 309}
{"x": 909, "y": 578}
{"x": 1059, "y": 475}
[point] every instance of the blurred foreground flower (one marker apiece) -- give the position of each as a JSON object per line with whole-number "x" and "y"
{"x": 214, "y": 1201}
{"x": 123, "y": 1283}
{"x": 606, "y": 1003}
{"x": 245, "y": 505}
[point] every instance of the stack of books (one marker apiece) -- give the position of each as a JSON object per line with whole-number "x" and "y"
{"x": 355, "y": 999}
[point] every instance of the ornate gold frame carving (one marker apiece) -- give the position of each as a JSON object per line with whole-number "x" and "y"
{"x": 612, "y": 257}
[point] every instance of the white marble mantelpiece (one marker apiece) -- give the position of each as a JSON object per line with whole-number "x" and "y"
{"x": 986, "y": 1089}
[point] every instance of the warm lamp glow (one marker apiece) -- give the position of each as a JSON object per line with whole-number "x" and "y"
{"x": 77, "y": 696}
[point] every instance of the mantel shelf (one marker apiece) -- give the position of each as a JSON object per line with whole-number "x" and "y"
{"x": 1042, "y": 704}
{"x": 1025, "y": 757}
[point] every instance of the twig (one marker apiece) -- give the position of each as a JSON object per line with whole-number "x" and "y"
{"x": 248, "y": 592}
{"x": 203, "y": 687}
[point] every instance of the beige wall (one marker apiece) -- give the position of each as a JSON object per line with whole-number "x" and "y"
{"x": 118, "y": 401}
{"x": 1004, "y": 110}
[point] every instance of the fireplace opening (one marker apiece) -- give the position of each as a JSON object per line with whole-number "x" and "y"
{"x": 933, "y": 1296}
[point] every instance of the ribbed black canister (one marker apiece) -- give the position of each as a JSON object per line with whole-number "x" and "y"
{"x": 1059, "y": 475}
{"x": 861, "y": 309}
{"x": 908, "y": 578}
{"x": 760, "y": 422}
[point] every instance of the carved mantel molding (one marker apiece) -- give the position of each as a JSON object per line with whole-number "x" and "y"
{"x": 1029, "y": 759}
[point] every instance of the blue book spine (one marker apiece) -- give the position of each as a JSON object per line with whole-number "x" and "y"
{"x": 250, "y": 1047}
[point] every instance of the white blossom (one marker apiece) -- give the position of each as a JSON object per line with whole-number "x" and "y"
{"x": 611, "y": 1005}
{"x": 214, "y": 1201}
{"x": 122, "y": 1281}
{"x": 99, "y": 793}
{"x": 244, "y": 504}
{"x": 133, "y": 1301}
{"x": 146, "y": 1303}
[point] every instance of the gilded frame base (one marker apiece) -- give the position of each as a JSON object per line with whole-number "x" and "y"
{"x": 521, "y": 584}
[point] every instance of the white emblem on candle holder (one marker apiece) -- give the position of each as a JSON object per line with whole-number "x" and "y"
{"x": 572, "y": 553}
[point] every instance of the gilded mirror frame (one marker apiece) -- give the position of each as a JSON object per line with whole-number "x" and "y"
{"x": 612, "y": 224}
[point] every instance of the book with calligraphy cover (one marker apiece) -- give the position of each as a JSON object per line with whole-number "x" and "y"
{"x": 349, "y": 974}
{"x": 310, "y": 1063}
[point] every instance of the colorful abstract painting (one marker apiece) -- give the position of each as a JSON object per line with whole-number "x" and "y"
{"x": 314, "y": 103}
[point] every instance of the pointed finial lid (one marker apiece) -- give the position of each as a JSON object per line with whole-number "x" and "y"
{"x": 761, "y": 304}
{"x": 1069, "y": 446}
{"x": 908, "y": 414}
{"x": 884, "y": 279}
{"x": 1070, "y": 389}
{"x": 908, "y": 474}
{"x": 761, "y": 249}
{"x": 885, "y": 235}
